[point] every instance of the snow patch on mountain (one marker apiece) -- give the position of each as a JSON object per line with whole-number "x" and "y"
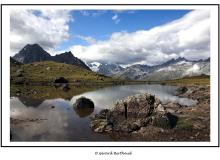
{"x": 94, "y": 66}
{"x": 194, "y": 69}
{"x": 172, "y": 69}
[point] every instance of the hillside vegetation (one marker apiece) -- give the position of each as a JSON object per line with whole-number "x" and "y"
{"x": 195, "y": 80}
{"x": 48, "y": 71}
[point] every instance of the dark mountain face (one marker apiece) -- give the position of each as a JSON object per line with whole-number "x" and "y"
{"x": 68, "y": 58}
{"x": 110, "y": 69}
{"x": 32, "y": 53}
{"x": 35, "y": 53}
{"x": 14, "y": 62}
{"x": 173, "y": 61}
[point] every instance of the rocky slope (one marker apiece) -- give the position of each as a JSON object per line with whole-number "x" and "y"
{"x": 106, "y": 69}
{"x": 68, "y": 58}
{"x": 32, "y": 53}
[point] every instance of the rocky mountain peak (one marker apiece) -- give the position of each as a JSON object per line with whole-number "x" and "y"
{"x": 31, "y": 53}
{"x": 30, "y": 48}
{"x": 35, "y": 53}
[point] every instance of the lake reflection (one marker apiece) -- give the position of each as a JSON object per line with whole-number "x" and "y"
{"x": 56, "y": 120}
{"x": 106, "y": 97}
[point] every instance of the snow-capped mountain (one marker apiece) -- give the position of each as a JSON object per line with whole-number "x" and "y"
{"x": 135, "y": 71}
{"x": 106, "y": 69}
{"x": 94, "y": 66}
{"x": 172, "y": 69}
{"x": 179, "y": 69}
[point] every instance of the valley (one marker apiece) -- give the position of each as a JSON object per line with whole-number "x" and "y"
{"x": 44, "y": 90}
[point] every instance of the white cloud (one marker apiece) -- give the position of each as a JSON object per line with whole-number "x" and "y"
{"x": 116, "y": 19}
{"x": 45, "y": 27}
{"x": 119, "y": 11}
{"x": 188, "y": 36}
{"x": 92, "y": 13}
{"x": 88, "y": 39}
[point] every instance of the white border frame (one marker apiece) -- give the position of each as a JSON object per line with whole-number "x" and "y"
{"x": 6, "y": 75}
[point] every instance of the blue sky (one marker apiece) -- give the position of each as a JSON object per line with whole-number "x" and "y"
{"x": 124, "y": 37}
{"x": 100, "y": 25}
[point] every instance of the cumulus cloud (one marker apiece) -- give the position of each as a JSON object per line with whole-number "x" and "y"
{"x": 187, "y": 37}
{"x": 45, "y": 27}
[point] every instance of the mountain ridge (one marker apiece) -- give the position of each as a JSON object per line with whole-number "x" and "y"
{"x": 35, "y": 53}
{"x": 171, "y": 69}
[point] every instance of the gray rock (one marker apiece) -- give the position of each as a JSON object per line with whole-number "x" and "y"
{"x": 108, "y": 128}
{"x": 83, "y": 102}
{"x": 99, "y": 129}
{"x": 166, "y": 120}
{"x": 19, "y": 73}
{"x": 170, "y": 110}
{"x": 160, "y": 108}
{"x": 99, "y": 125}
{"x": 182, "y": 90}
{"x": 161, "y": 121}
{"x": 132, "y": 113}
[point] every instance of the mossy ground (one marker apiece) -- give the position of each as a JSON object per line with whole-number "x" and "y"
{"x": 184, "y": 123}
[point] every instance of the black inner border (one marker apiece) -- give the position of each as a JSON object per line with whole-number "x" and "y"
{"x": 113, "y": 5}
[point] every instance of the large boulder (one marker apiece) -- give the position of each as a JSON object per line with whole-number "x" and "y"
{"x": 61, "y": 80}
{"x": 132, "y": 113}
{"x": 84, "y": 112}
{"x": 83, "y": 102}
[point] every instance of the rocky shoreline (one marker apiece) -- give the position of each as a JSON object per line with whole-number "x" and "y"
{"x": 144, "y": 117}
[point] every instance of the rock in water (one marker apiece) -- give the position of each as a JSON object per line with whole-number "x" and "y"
{"x": 132, "y": 113}
{"x": 84, "y": 112}
{"x": 83, "y": 102}
{"x": 181, "y": 90}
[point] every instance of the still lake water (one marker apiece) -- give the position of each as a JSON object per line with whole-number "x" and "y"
{"x": 39, "y": 121}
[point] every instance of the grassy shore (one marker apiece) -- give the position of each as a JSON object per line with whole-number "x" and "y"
{"x": 196, "y": 80}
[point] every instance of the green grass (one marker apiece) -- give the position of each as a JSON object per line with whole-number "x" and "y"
{"x": 40, "y": 76}
{"x": 184, "y": 123}
{"x": 47, "y": 71}
{"x": 196, "y": 80}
